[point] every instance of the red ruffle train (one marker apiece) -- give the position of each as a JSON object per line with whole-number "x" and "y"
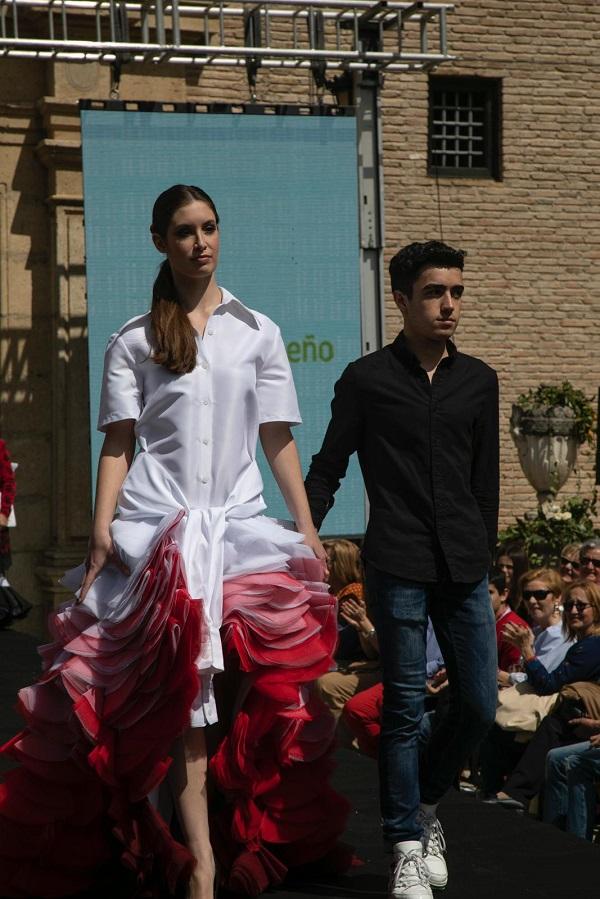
{"x": 101, "y": 720}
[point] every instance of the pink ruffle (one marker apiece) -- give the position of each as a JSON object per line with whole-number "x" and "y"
{"x": 113, "y": 698}
{"x": 100, "y": 723}
{"x": 274, "y": 764}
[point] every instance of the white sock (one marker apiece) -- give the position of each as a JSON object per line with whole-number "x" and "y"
{"x": 429, "y": 810}
{"x": 406, "y": 846}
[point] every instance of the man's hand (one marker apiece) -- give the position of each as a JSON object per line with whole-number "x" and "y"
{"x": 3, "y": 520}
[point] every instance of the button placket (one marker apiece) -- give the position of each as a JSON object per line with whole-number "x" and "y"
{"x": 205, "y": 422}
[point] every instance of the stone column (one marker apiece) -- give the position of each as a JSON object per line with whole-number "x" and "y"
{"x": 60, "y": 152}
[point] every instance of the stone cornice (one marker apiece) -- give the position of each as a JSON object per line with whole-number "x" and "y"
{"x": 63, "y": 154}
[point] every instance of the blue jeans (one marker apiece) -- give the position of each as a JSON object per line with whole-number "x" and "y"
{"x": 464, "y": 625}
{"x": 570, "y": 792}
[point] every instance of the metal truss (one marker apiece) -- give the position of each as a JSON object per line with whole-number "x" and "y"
{"x": 337, "y": 34}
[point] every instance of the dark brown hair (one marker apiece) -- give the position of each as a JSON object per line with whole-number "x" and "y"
{"x": 173, "y": 337}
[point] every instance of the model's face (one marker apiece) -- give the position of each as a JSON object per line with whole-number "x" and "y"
{"x": 540, "y": 602}
{"x": 191, "y": 243}
{"x": 590, "y": 564}
{"x": 433, "y": 310}
{"x": 579, "y": 613}
{"x": 497, "y": 599}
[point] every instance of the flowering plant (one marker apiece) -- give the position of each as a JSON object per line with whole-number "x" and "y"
{"x": 543, "y": 534}
{"x": 545, "y": 398}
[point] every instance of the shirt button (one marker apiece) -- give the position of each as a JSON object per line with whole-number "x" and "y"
{"x": 205, "y": 365}
{"x": 210, "y": 332}
{"x": 205, "y": 441}
{"x": 205, "y": 402}
{"x": 204, "y": 480}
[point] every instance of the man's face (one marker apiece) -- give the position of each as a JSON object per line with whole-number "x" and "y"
{"x": 433, "y": 310}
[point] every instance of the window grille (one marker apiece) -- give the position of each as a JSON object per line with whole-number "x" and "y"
{"x": 464, "y": 126}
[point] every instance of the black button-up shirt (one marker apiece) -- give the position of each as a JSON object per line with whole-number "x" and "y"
{"x": 429, "y": 457}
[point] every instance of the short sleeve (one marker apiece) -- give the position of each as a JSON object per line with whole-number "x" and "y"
{"x": 121, "y": 396}
{"x": 277, "y": 400}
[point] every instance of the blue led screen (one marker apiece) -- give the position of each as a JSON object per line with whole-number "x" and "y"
{"x": 286, "y": 190}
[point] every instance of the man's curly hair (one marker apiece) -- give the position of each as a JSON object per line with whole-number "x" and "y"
{"x": 409, "y": 262}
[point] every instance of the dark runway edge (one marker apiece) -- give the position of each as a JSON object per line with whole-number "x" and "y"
{"x": 493, "y": 853}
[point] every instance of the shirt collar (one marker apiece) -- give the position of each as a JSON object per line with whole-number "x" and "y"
{"x": 235, "y": 307}
{"x": 401, "y": 349}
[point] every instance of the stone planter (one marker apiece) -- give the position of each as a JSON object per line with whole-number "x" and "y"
{"x": 546, "y": 445}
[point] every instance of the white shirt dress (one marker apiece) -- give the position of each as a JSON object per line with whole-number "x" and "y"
{"x": 197, "y": 435}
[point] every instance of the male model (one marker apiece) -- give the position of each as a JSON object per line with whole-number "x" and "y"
{"x": 424, "y": 421}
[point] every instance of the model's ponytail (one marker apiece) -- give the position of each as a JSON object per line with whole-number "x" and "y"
{"x": 173, "y": 337}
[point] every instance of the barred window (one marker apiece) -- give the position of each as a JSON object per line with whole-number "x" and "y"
{"x": 464, "y": 126}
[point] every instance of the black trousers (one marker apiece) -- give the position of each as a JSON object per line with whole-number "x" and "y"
{"x": 527, "y": 778}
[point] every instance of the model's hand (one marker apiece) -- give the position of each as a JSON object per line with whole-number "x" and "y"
{"x": 595, "y": 740}
{"x": 3, "y": 521}
{"x": 354, "y": 612}
{"x": 519, "y": 636}
{"x": 101, "y": 552}
{"x": 312, "y": 539}
{"x": 504, "y": 678}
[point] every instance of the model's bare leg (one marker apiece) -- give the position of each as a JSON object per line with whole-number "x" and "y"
{"x": 188, "y": 781}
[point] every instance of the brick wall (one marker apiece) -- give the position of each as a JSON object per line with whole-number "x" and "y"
{"x": 532, "y": 302}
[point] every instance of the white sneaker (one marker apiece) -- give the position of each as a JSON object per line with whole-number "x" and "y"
{"x": 434, "y": 846}
{"x": 409, "y": 878}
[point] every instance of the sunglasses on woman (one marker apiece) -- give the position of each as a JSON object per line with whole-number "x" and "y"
{"x": 535, "y": 594}
{"x": 576, "y": 604}
{"x": 587, "y": 560}
{"x": 569, "y": 562}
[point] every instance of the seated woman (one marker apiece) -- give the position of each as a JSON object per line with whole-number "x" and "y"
{"x": 512, "y": 562}
{"x": 508, "y": 654}
{"x": 357, "y": 654}
{"x": 362, "y": 713}
{"x": 572, "y": 779}
{"x": 569, "y": 562}
{"x": 540, "y": 594}
{"x": 581, "y": 618}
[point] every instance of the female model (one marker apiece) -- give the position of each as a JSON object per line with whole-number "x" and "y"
{"x": 189, "y": 578}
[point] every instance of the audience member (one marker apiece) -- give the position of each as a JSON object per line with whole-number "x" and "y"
{"x": 581, "y": 663}
{"x": 541, "y": 591}
{"x": 512, "y": 562}
{"x": 12, "y": 604}
{"x": 362, "y": 714}
{"x": 569, "y": 562}
{"x": 589, "y": 560}
{"x": 508, "y": 654}
{"x": 503, "y": 746}
{"x": 572, "y": 778}
{"x": 356, "y": 656}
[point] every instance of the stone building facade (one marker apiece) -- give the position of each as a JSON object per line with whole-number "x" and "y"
{"x": 531, "y": 229}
